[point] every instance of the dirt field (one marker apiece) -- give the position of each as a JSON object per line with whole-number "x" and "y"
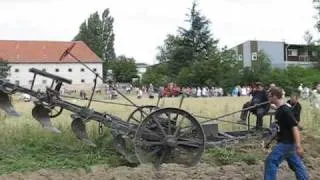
{"x": 235, "y": 171}
{"x": 238, "y": 171}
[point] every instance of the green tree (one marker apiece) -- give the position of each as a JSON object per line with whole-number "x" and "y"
{"x": 108, "y": 36}
{"x": 259, "y": 71}
{"x": 4, "y": 68}
{"x": 192, "y": 44}
{"x": 197, "y": 38}
{"x": 98, "y": 34}
{"x": 309, "y": 37}
{"x": 157, "y": 75}
{"x": 123, "y": 68}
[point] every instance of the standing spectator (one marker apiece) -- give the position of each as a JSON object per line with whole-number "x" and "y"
{"x": 198, "y": 92}
{"x": 244, "y": 91}
{"x": 140, "y": 93}
{"x": 315, "y": 97}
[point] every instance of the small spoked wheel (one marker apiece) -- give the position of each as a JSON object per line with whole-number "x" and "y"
{"x": 169, "y": 135}
{"x": 141, "y": 113}
{"x": 55, "y": 111}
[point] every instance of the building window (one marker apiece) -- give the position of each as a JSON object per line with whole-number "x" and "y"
{"x": 240, "y": 57}
{"x": 44, "y": 70}
{"x": 70, "y": 70}
{"x": 82, "y": 80}
{"x": 254, "y": 56}
{"x": 292, "y": 52}
{"x": 44, "y": 81}
{"x": 95, "y": 69}
{"x": 57, "y": 69}
{"x": 17, "y": 82}
{"x": 82, "y": 70}
{"x": 16, "y": 70}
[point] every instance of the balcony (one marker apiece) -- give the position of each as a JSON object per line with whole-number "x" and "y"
{"x": 304, "y": 58}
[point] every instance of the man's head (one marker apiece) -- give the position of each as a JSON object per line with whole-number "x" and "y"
{"x": 259, "y": 86}
{"x": 272, "y": 85}
{"x": 275, "y": 95}
{"x": 294, "y": 98}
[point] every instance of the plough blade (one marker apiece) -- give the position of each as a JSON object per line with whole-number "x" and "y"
{"x": 79, "y": 129}
{"x": 41, "y": 114}
{"x": 6, "y": 105}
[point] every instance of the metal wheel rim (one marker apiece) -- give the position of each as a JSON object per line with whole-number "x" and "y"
{"x": 171, "y": 154}
{"x": 149, "y": 108}
{"x": 58, "y": 112}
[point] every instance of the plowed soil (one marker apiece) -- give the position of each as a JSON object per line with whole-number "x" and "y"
{"x": 235, "y": 171}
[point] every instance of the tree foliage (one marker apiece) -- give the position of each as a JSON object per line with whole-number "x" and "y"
{"x": 4, "y": 68}
{"x": 123, "y": 69}
{"x": 157, "y": 75}
{"x": 192, "y": 45}
{"x": 97, "y": 33}
{"x": 191, "y": 58}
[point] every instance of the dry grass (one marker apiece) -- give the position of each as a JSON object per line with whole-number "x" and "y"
{"x": 208, "y": 107}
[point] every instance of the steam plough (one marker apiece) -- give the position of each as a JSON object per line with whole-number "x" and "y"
{"x": 159, "y": 135}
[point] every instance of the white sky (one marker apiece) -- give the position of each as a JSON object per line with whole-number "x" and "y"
{"x": 142, "y": 25}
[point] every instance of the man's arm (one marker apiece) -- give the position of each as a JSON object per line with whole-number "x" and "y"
{"x": 297, "y": 140}
{"x": 268, "y": 142}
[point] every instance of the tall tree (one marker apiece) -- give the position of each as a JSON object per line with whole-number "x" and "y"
{"x": 197, "y": 38}
{"x": 192, "y": 44}
{"x": 316, "y": 4}
{"x": 308, "y": 38}
{"x": 98, "y": 34}
{"x": 108, "y": 36}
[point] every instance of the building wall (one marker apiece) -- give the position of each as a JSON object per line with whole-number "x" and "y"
{"x": 24, "y": 76}
{"x": 246, "y": 54}
{"x": 275, "y": 51}
{"x": 141, "y": 70}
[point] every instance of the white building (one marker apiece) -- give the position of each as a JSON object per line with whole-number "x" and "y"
{"x": 45, "y": 55}
{"x": 141, "y": 68}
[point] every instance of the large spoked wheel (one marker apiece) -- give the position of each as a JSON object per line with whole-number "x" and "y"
{"x": 140, "y": 113}
{"x": 169, "y": 135}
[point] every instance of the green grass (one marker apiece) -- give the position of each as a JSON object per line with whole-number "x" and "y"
{"x": 25, "y": 146}
{"x": 226, "y": 156}
{"x": 45, "y": 150}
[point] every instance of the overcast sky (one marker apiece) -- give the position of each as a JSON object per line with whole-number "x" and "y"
{"x": 142, "y": 25}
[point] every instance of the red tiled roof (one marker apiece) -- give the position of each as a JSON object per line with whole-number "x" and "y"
{"x": 45, "y": 52}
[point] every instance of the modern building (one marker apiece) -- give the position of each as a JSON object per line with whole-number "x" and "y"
{"x": 45, "y": 55}
{"x": 281, "y": 54}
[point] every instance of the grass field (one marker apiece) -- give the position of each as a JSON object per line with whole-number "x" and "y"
{"x": 26, "y": 146}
